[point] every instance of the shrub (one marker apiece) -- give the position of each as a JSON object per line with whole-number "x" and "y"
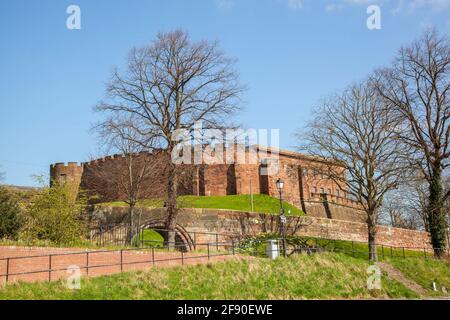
{"x": 54, "y": 215}
{"x": 10, "y": 215}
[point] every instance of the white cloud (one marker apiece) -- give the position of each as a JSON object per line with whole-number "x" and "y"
{"x": 400, "y": 6}
{"x": 433, "y": 4}
{"x": 361, "y": 2}
{"x": 338, "y": 5}
{"x": 333, "y": 7}
{"x": 224, "y": 4}
{"x": 295, "y": 4}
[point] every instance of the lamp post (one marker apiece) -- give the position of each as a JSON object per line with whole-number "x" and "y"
{"x": 280, "y": 185}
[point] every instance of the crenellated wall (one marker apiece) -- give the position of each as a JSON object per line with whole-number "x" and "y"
{"x": 304, "y": 185}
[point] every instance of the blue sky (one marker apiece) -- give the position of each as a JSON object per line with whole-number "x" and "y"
{"x": 291, "y": 53}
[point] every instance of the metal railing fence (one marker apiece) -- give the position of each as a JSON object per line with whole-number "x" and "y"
{"x": 153, "y": 255}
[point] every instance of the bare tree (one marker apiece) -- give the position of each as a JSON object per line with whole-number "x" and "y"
{"x": 405, "y": 207}
{"x": 416, "y": 86}
{"x": 171, "y": 85}
{"x": 417, "y": 201}
{"x": 354, "y": 130}
{"x": 125, "y": 176}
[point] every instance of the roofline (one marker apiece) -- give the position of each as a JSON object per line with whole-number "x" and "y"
{"x": 293, "y": 154}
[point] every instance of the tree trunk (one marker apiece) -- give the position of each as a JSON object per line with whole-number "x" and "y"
{"x": 372, "y": 232}
{"x": 171, "y": 205}
{"x": 131, "y": 233}
{"x": 437, "y": 219}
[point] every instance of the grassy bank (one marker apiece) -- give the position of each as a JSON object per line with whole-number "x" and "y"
{"x": 320, "y": 276}
{"x": 261, "y": 203}
{"x": 354, "y": 249}
{"x": 425, "y": 272}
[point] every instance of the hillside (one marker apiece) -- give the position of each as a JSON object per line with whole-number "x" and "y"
{"x": 261, "y": 203}
{"x": 23, "y": 194}
{"x": 319, "y": 276}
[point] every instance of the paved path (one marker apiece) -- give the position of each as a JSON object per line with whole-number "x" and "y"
{"x": 33, "y": 264}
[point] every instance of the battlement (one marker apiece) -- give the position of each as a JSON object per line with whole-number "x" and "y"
{"x": 344, "y": 201}
{"x": 66, "y": 172}
{"x": 111, "y": 157}
{"x": 66, "y": 165}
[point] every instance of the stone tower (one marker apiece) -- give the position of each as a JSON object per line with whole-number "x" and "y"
{"x": 69, "y": 174}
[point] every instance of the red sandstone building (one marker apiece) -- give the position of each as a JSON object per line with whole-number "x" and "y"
{"x": 305, "y": 186}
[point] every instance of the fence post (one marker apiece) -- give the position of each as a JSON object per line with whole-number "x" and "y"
{"x": 403, "y": 252}
{"x": 382, "y": 251}
{"x": 391, "y": 251}
{"x": 7, "y": 270}
{"x": 153, "y": 255}
{"x": 353, "y": 248}
{"x": 49, "y": 267}
{"x": 232, "y": 245}
{"x": 182, "y": 257}
{"x": 425, "y": 253}
{"x": 217, "y": 242}
{"x": 195, "y": 240}
{"x": 121, "y": 260}
{"x": 208, "y": 250}
{"x": 87, "y": 263}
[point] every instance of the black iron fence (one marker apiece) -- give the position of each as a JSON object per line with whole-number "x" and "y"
{"x": 127, "y": 236}
{"x": 54, "y": 265}
{"x": 256, "y": 246}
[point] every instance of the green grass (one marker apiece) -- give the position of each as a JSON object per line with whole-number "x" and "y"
{"x": 425, "y": 272}
{"x": 319, "y": 276}
{"x": 418, "y": 266}
{"x": 356, "y": 249}
{"x": 361, "y": 250}
{"x": 145, "y": 203}
{"x": 150, "y": 238}
{"x": 261, "y": 203}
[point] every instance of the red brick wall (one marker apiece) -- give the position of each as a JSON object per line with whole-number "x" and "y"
{"x": 244, "y": 223}
{"x": 305, "y": 186}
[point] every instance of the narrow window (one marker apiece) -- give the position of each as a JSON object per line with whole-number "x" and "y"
{"x": 62, "y": 178}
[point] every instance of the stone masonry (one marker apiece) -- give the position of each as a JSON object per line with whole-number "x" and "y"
{"x": 235, "y": 223}
{"x": 305, "y": 185}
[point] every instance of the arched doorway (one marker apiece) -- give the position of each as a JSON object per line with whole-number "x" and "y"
{"x": 183, "y": 240}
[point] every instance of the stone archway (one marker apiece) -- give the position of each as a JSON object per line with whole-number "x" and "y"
{"x": 183, "y": 239}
